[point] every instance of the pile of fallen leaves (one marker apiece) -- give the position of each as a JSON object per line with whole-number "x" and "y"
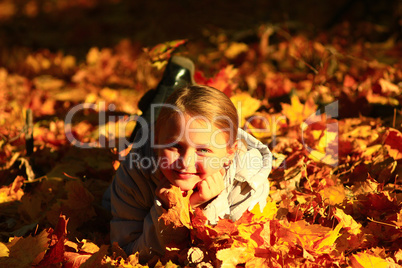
{"x": 329, "y": 108}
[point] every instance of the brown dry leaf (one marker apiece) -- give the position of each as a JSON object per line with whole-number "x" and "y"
{"x": 175, "y": 222}
{"x": 179, "y": 211}
{"x": 78, "y": 206}
{"x": 25, "y": 252}
{"x": 96, "y": 260}
{"x": 398, "y": 221}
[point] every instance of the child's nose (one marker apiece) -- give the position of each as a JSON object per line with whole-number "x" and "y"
{"x": 188, "y": 159}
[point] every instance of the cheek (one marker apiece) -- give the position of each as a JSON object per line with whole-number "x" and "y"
{"x": 211, "y": 164}
{"x": 167, "y": 158}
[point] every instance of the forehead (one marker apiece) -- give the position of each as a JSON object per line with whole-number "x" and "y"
{"x": 195, "y": 128}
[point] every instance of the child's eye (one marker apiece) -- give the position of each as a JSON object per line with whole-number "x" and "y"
{"x": 175, "y": 146}
{"x": 204, "y": 150}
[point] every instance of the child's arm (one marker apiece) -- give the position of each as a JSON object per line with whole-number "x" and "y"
{"x": 135, "y": 215}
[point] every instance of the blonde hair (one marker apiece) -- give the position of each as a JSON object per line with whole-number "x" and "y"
{"x": 204, "y": 101}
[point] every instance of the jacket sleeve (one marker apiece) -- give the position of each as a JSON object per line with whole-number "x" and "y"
{"x": 135, "y": 211}
{"x": 251, "y": 184}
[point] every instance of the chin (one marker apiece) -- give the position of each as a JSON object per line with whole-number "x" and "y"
{"x": 186, "y": 186}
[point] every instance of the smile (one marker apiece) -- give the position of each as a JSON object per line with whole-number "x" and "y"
{"x": 185, "y": 175}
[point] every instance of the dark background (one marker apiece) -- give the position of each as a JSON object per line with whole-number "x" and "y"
{"x": 81, "y": 24}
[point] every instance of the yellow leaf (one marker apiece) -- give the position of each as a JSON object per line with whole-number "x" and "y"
{"x": 93, "y": 56}
{"x": 268, "y": 213}
{"x": 348, "y": 222}
{"x": 4, "y": 252}
{"x": 235, "y": 49}
{"x": 297, "y": 112}
{"x": 246, "y": 105}
{"x": 230, "y": 257}
{"x": 365, "y": 260}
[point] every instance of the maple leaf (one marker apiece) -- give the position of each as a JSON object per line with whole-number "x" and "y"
{"x": 55, "y": 254}
{"x": 333, "y": 195}
{"x": 268, "y": 213}
{"x": 231, "y": 257}
{"x": 296, "y": 112}
{"x": 13, "y": 192}
{"x": 277, "y": 84}
{"x": 175, "y": 222}
{"x": 398, "y": 221}
{"x": 78, "y": 206}
{"x": 246, "y": 105}
{"x": 314, "y": 238}
{"x": 364, "y": 259}
{"x": 96, "y": 260}
{"x": 223, "y": 80}
{"x": 348, "y": 223}
{"x": 162, "y": 52}
{"x": 24, "y": 252}
{"x": 393, "y": 143}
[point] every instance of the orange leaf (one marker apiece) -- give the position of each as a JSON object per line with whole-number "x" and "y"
{"x": 314, "y": 238}
{"x": 347, "y": 221}
{"x": 333, "y": 195}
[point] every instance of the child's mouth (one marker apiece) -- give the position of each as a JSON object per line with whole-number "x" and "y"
{"x": 185, "y": 175}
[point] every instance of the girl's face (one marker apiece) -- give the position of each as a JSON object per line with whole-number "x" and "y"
{"x": 191, "y": 149}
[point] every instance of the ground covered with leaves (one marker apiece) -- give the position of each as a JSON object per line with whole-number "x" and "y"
{"x": 328, "y": 106}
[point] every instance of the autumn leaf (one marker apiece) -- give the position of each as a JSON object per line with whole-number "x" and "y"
{"x": 27, "y": 251}
{"x": 13, "y": 192}
{"x": 393, "y": 142}
{"x": 231, "y": 257}
{"x": 175, "y": 222}
{"x": 314, "y": 238}
{"x": 296, "y": 112}
{"x": 266, "y": 214}
{"x": 224, "y": 80}
{"x": 78, "y": 206}
{"x": 246, "y": 106}
{"x": 333, "y": 195}
{"x": 362, "y": 260}
{"x": 160, "y": 53}
{"x": 347, "y": 221}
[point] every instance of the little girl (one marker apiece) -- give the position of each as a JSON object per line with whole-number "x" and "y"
{"x": 197, "y": 146}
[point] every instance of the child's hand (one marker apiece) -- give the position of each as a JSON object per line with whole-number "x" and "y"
{"x": 208, "y": 189}
{"x": 162, "y": 192}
